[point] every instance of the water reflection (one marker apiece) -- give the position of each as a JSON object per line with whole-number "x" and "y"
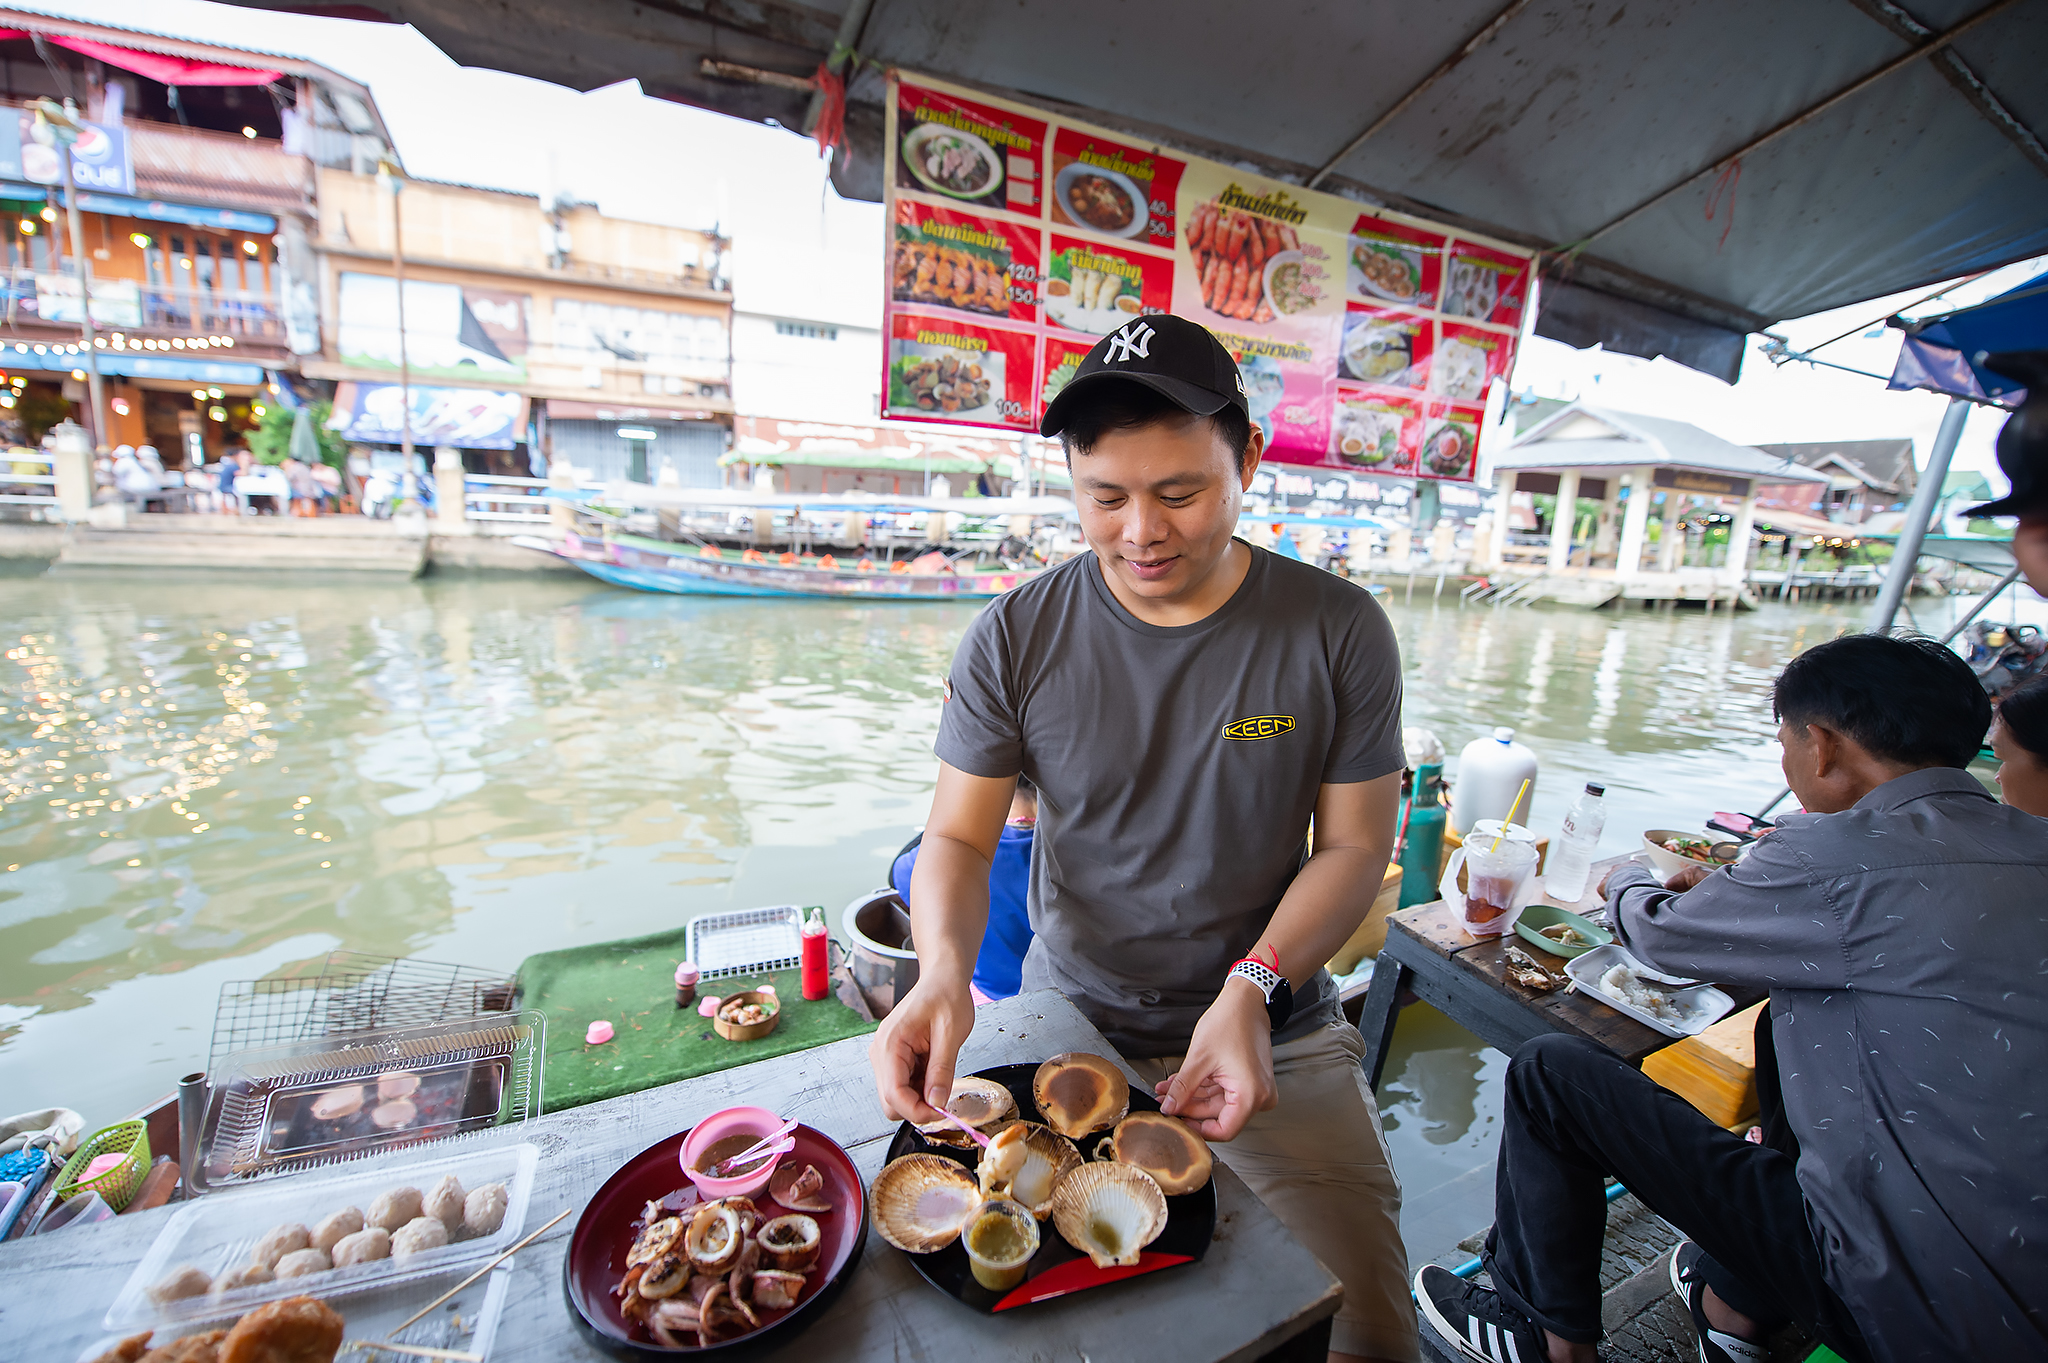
{"x": 202, "y": 781}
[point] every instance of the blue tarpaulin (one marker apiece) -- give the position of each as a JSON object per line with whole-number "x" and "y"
{"x": 1945, "y": 354}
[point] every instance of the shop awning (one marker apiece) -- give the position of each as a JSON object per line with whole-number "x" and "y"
{"x": 1945, "y": 353}
{"x": 1697, "y": 169}
{"x": 157, "y": 66}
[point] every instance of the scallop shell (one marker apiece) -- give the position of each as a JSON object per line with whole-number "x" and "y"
{"x": 1166, "y": 1148}
{"x": 1079, "y": 1094}
{"x": 920, "y": 1202}
{"x": 1109, "y": 1212}
{"x": 981, "y": 1103}
{"x": 1029, "y": 1180}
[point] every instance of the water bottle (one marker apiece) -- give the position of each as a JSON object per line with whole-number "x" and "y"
{"x": 1571, "y": 861}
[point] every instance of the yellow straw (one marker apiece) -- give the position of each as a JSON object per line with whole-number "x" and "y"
{"x": 1511, "y": 815}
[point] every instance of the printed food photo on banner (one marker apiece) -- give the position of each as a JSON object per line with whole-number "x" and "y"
{"x": 1251, "y": 267}
{"x": 1288, "y": 387}
{"x": 1484, "y": 284}
{"x": 1467, "y": 359}
{"x": 1096, "y": 288}
{"x": 1377, "y": 432}
{"x": 954, "y": 260}
{"x": 1450, "y": 441}
{"x": 1062, "y": 359}
{"x": 949, "y": 370}
{"x": 967, "y": 150}
{"x": 1113, "y": 188}
{"x": 1395, "y": 262}
{"x": 1387, "y": 346}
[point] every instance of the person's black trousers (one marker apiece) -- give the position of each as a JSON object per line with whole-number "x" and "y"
{"x": 1577, "y": 1113}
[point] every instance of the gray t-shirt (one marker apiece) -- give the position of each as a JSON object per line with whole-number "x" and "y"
{"x": 1177, "y": 769}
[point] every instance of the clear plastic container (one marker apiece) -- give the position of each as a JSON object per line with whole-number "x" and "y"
{"x": 218, "y": 1231}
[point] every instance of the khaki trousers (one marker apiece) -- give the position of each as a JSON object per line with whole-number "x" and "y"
{"x": 1319, "y": 1161}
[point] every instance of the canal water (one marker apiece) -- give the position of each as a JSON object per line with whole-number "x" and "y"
{"x": 205, "y": 780}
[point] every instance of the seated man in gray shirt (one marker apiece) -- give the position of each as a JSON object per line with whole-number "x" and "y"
{"x": 1899, "y": 924}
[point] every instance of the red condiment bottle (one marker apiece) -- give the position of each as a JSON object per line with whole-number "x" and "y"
{"x": 816, "y": 958}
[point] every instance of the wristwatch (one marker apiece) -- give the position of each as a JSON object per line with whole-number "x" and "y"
{"x": 1270, "y": 982}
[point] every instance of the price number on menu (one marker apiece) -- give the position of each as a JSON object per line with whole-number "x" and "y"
{"x": 1023, "y": 293}
{"x": 1298, "y": 414}
{"x": 1011, "y": 409}
{"x": 1024, "y": 271}
{"x": 1161, "y": 208}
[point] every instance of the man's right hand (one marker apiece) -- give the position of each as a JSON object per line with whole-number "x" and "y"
{"x": 914, "y": 1050}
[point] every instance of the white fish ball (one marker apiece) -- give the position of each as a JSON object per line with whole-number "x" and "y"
{"x": 337, "y": 1227}
{"x": 363, "y": 1247}
{"x": 418, "y": 1236}
{"x": 249, "y": 1275}
{"x": 484, "y": 1210}
{"x": 184, "y": 1281}
{"x": 278, "y": 1242}
{"x": 444, "y": 1202}
{"x": 393, "y": 1209}
{"x": 301, "y": 1262}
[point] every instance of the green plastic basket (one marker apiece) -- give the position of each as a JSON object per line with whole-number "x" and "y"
{"x": 118, "y": 1184}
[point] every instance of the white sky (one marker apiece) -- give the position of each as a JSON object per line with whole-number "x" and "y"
{"x": 799, "y": 250}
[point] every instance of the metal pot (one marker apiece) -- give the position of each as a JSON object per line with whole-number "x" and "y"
{"x": 884, "y": 964}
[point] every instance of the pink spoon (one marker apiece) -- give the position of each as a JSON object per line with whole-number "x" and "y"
{"x": 983, "y": 1141}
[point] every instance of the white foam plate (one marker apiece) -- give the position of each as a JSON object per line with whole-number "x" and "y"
{"x": 1701, "y": 1005}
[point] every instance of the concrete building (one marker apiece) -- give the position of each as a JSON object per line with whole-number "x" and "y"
{"x": 193, "y": 177}
{"x": 806, "y": 369}
{"x": 530, "y": 329}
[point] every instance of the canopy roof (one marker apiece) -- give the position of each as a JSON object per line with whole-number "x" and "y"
{"x": 1705, "y": 167}
{"x": 1582, "y": 436}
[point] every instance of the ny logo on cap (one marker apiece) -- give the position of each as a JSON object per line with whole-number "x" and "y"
{"x": 1135, "y": 339}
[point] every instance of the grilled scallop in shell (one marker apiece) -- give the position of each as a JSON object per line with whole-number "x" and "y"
{"x": 981, "y": 1103}
{"x": 1080, "y": 1094}
{"x": 1165, "y": 1147}
{"x": 920, "y": 1202}
{"x": 1024, "y": 1162}
{"x": 1109, "y": 1212}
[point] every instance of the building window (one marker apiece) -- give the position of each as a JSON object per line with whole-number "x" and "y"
{"x": 807, "y": 330}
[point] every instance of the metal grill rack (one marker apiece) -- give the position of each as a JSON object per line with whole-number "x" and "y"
{"x": 351, "y": 992}
{"x": 746, "y": 942}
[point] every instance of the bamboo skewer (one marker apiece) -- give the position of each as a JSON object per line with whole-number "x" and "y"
{"x": 415, "y": 1350}
{"x": 478, "y": 1274}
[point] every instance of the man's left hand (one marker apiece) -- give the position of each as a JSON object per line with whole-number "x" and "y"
{"x": 1688, "y": 876}
{"x": 1227, "y": 1075}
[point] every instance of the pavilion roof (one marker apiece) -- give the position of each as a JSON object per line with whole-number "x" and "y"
{"x": 1583, "y": 436}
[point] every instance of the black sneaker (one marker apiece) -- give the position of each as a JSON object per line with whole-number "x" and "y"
{"x": 1475, "y": 1321}
{"x": 1714, "y": 1346}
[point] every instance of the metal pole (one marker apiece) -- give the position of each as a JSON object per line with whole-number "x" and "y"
{"x": 408, "y": 482}
{"x": 1982, "y": 602}
{"x": 95, "y": 388}
{"x": 1914, "y": 531}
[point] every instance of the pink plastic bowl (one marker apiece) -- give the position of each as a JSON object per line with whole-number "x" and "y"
{"x": 733, "y": 1121}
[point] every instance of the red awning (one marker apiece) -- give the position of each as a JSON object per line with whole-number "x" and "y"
{"x": 156, "y": 65}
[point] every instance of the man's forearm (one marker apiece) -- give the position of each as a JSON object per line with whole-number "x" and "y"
{"x": 1323, "y": 907}
{"x": 948, "y": 909}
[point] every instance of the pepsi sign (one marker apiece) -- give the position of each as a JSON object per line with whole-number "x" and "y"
{"x": 99, "y": 158}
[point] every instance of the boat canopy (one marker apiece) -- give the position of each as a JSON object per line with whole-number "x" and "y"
{"x": 1695, "y": 170}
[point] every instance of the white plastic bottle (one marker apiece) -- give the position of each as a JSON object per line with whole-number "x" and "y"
{"x": 1489, "y": 776}
{"x": 1571, "y": 861}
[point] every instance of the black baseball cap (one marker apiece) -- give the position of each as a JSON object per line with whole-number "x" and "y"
{"x": 2023, "y": 440}
{"x": 1174, "y": 357}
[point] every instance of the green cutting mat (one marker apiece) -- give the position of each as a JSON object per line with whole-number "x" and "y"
{"x": 631, "y": 984}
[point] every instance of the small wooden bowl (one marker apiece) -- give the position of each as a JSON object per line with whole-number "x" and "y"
{"x": 750, "y": 1031}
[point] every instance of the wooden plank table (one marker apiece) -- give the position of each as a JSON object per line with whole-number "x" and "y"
{"x": 1257, "y": 1294}
{"x": 1465, "y": 978}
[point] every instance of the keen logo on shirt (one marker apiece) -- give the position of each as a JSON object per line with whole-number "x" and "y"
{"x": 1258, "y": 726}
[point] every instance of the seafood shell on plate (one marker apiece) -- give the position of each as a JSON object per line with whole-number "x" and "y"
{"x": 1024, "y": 1163}
{"x": 799, "y": 1189}
{"x": 1109, "y": 1212}
{"x": 920, "y": 1202}
{"x": 980, "y": 1103}
{"x": 1080, "y": 1094}
{"x": 1165, "y": 1147}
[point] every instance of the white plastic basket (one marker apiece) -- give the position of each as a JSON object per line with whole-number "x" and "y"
{"x": 747, "y": 941}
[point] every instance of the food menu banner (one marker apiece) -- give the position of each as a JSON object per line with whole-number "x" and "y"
{"x": 1367, "y": 339}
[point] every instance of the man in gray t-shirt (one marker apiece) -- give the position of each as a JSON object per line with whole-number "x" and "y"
{"x": 1185, "y": 704}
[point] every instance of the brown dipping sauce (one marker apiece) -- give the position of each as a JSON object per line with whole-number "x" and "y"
{"x": 724, "y": 1149}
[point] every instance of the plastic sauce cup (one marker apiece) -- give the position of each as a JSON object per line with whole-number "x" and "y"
{"x": 1000, "y": 1238}
{"x": 754, "y": 1122}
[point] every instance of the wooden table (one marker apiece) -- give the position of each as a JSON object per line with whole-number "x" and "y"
{"x": 1257, "y": 1294}
{"x": 1465, "y": 978}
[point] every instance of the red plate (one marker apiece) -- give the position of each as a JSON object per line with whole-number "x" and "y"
{"x": 596, "y": 1260}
